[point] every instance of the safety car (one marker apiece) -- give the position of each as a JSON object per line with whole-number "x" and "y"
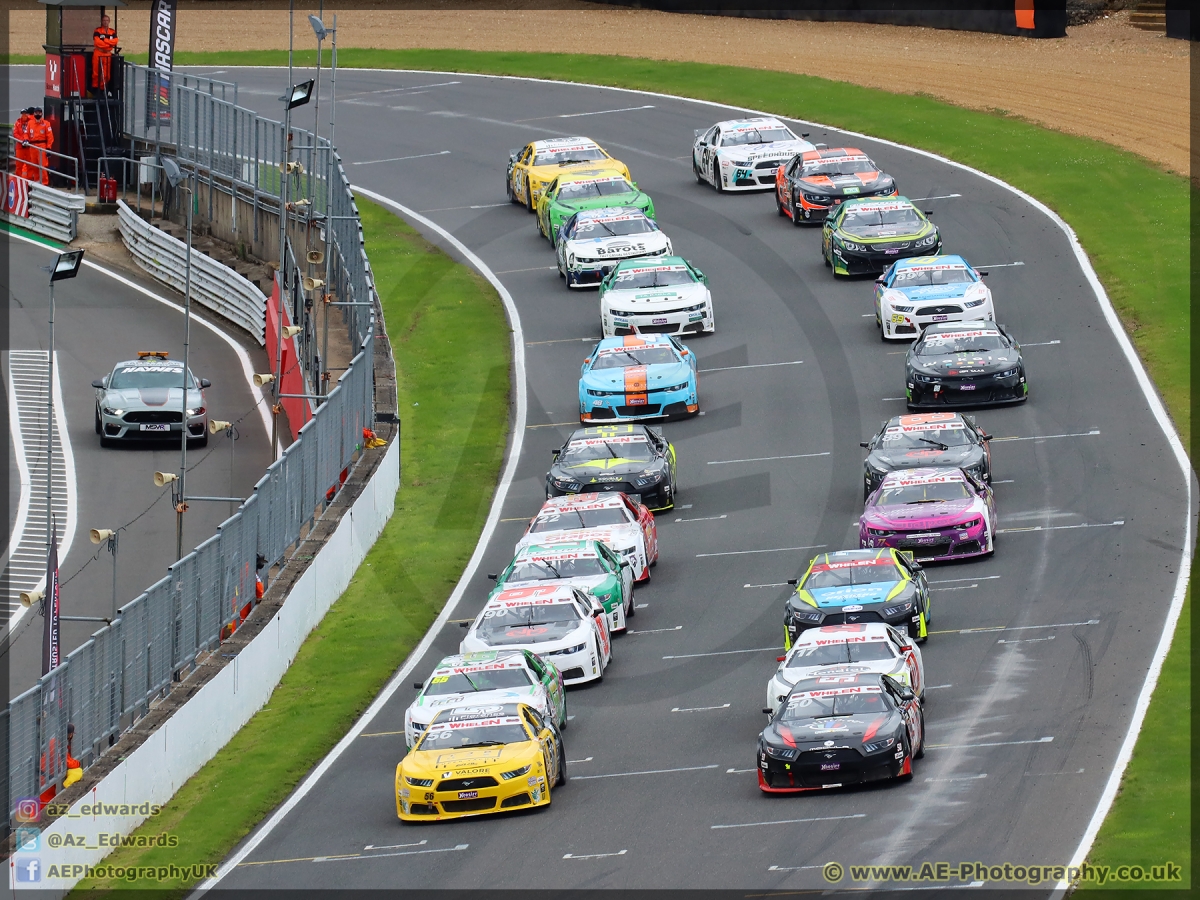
{"x": 852, "y": 587}
{"x": 636, "y": 377}
{"x": 809, "y": 184}
{"x": 143, "y": 399}
{"x": 743, "y": 154}
{"x": 535, "y": 165}
{"x": 866, "y": 236}
{"x": 558, "y": 622}
{"x": 667, "y": 295}
{"x": 586, "y": 189}
{"x": 620, "y": 521}
{"x": 482, "y": 679}
{"x": 630, "y": 458}
{"x": 834, "y": 731}
{"x": 593, "y": 241}
{"x": 914, "y": 293}
{"x": 589, "y": 565}
{"x": 835, "y": 651}
{"x": 921, "y": 440}
{"x": 474, "y": 761}
{"x": 935, "y": 514}
{"x": 965, "y": 364}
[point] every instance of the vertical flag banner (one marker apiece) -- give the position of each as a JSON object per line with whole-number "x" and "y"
{"x": 51, "y": 647}
{"x": 163, "y": 22}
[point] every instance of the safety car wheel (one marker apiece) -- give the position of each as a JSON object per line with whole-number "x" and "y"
{"x": 562, "y": 766}
{"x": 105, "y": 442}
{"x": 717, "y": 178}
{"x": 920, "y": 754}
{"x": 795, "y": 212}
{"x": 99, "y": 427}
{"x": 528, "y": 196}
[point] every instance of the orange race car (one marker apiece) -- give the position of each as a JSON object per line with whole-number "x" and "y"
{"x": 810, "y": 184}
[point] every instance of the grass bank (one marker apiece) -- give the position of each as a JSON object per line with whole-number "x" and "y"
{"x": 451, "y": 342}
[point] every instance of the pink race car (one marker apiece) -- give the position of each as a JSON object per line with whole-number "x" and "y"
{"x": 936, "y": 514}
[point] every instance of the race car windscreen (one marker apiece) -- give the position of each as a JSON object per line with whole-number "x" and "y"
{"x": 593, "y": 228}
{"x": 805, "y": 706}
{"x": 528, "y": 624}
{"x": 924, "y": 440}
{"x": 560, "y": 520}
{"x": 942, "y": 344}
{"x": 567, "y": 157}
{"x": 838, "y": 167}
{"x": 633, "y": 280}
{"x": 584, "y": 453}
{"x": 821, "y": 577}
{"x": 834, "y": 654}
{"x": 547, "y": 569}
{"x": 584, "y": 190}
{"x": 470, "y": 682}
{"x": 476, "y": 736}
{"x": 869, "y": 222}
{"x": 931, "y": 277}
{"x": 140, "y": 376}
{"x": 636, "y": 356}
{"x": 924, "y": 493}
{"x": 765, "y": 135}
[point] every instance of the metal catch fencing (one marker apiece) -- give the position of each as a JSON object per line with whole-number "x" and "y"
{"x": 109, "y": 683}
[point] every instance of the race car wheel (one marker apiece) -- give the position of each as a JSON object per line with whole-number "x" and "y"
{"x": 908, "y": 776}
{"x": 696, "y": 171}
{"x": 795, "y": 212}
{"x": 825, "y": 257}
{"x": 99, "y": 428}
{"x": 562, "y": 766}
{"x": 528, "y": 196}
{"x": 717, "y": 178}
{"x": 882, "y": 334}
{"x": 779, "y": 206}
{"x": 508, "y": 189}
{"x": 920, "y": 754}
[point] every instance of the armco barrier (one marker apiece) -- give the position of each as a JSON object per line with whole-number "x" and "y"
{"x": 214, "y": 285}
{"x": 152, "y": 773}
{"x": 52, "y": 213}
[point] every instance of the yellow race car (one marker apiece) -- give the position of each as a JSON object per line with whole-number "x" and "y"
{"x": 474, "y": 761}
{"x": 533, "y": 167}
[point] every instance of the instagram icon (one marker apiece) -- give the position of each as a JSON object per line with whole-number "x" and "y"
{"x": 28, "y": 809}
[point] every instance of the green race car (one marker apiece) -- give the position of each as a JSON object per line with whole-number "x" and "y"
{"x": 586, "y": 189}
{"x": 590, "y": 565}
{"x": 866, "y": 236}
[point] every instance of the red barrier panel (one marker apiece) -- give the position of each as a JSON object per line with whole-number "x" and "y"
{"x": 292, "y": 382}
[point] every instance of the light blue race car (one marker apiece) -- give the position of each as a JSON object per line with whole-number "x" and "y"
{"x": 638, "y": 376}
{"x": 914, "y": 293}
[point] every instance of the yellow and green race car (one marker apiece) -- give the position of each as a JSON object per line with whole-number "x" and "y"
{"x": 627, "y": 457}
{"x": 868, "y": 235}
{"x": 537, "y": 164}
{"x": 474, "y": 761}
{"x": 586, "y": 189}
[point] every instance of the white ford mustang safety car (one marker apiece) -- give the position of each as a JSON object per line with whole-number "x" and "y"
{"x": 487, "y": 679}
{"x": 557, "y": 622}
{"x": 664, "y": 296}
{"x": 844, "y": 651}
{"x": 618, "y": 520}
{"x": 744, "y": 154}
{"x": 592, "y": 241}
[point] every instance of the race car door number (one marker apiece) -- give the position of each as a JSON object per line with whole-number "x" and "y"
{"x": 156, "y": 427}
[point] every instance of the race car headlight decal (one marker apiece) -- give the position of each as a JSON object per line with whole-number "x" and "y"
{"x": 592, "y": 393}
{"x": 974, "y": 523}
{"x": 876, "y": 746}
{"x": 578, "y": 648}
{"x": 898, "y": 608}
{"x": 622, "y": 313}
{"x": 807, "y": 616}
{"x": 648, "y": 478}
{"x": 109, "y": 411}
{"x": 880, "y": 532}
{"x": 419, "y": 782}
{"x": 1007, "y": 373}
{"x": 927, "y": 241}
{"x": 818, "y": 198}
{"x": 564, "y": 484}
{"x": 682, "y": 386}
{"x": 514, "y": 773}
{"x": 781, "y": 752}
{"x": 902, "y": 309}
{"x": 740, "y": 163}
{"x": 925, "y": 379}
{"x": 851, "y": 245}
{"x": 978, "y": 301}
{"x": 697, "y": 308}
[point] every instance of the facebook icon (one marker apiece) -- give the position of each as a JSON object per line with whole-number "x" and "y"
{"x": 29, "y": 870}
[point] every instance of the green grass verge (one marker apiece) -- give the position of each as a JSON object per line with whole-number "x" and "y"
{"x": 451, "y": 342}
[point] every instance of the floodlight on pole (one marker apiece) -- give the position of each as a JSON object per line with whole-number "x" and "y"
{"x": 318, "y": 28}
{"x": 300, "y": 94}
{"x": 67, "y": 265}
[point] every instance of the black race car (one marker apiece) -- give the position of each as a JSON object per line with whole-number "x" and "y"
{"x": 840, "y": 730}
{"x": 927, "y": 439}
{"x": 629, "y": 457}
{"x": 965, "y": 364}
{"x": 809, "y": 184}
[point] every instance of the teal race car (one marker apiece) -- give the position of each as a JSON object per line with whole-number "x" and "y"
{"x": 589, "y": 565}
{"x": 586, "y": 189}
{"x": 863, "y": 237}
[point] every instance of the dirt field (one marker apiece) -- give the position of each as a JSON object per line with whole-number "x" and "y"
{"x": 1106, "y": 80}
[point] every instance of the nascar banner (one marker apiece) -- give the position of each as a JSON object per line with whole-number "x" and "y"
{"x": 164, "y": 18}
{"x": 16, "y": 196}
{"x": 51, "y": 647}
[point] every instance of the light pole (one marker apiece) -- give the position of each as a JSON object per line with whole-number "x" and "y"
{"x": 64, "y": 267}
{"x": 109, "y": 536}
{"x": 176, "y": 177}
{"x": 321, "y": 32}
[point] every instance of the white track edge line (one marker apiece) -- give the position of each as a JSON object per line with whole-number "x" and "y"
{"x": 1118, "y": 331}
{"x": 18, "y": 447}
{"x": 489, "y": 527}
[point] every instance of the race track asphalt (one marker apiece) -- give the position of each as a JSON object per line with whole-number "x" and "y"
{"x": 1024, "y": 719}
{"x": 98, "y": 322}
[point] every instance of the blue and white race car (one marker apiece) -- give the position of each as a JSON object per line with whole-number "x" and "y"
{"x": 593, "y": 241}
{"x": 744, "y": 154}
{"x": 635, "y": 377}
{"x": 921, "y": 290}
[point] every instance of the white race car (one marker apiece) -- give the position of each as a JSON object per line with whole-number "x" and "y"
{"x": 618, "y": 520}
{"x": 664, "y": 296}
{"x": 844, "y": 651}
{"x": 592, "y": 241}
{"x": 487, "y": 679}
{"x": 744, "y": 154}
{"x": 922, "y": 290}
{"x": 557, "y": 622}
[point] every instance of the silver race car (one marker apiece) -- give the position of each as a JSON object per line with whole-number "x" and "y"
{"x": 142, "y": 399}
{"x": 744, "y": 154}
